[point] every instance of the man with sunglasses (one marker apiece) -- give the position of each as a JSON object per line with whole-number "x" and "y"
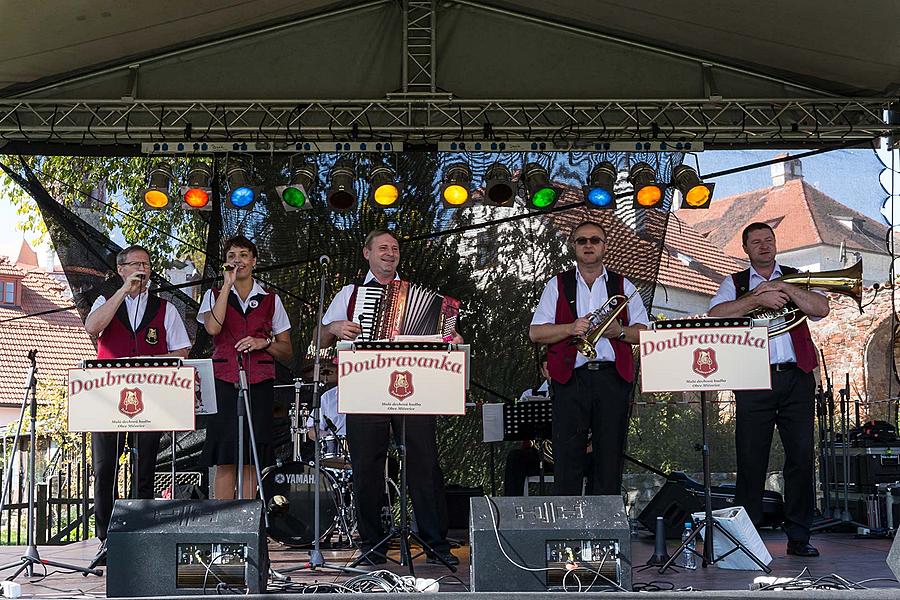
{"x": 130, "y": 322}
{"x": 589, "y": 395}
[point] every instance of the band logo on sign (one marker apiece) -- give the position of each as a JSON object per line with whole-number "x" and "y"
{"x": 705, "y": 361}
{"x": 401, "y": 385}
{"x": 130, "y": 402}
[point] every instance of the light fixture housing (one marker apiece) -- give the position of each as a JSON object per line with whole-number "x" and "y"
{"x": 647, "y": 192}
{"x": 600, "y": 192}
{"x": 296, "y": 194}
{"x": 156, "y": 194}
{"x": 456, "y": 187}
{"x": 342, "y": 186}
{"x": 695, "y": 193}
{"x": 241, "y": 193}
{"x": 383, "y": 188}
{"x": 498, "y": 185}
{"x": 197, "y": 194}
{"x": 539, "y": 190}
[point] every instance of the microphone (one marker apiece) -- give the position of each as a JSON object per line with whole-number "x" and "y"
{"x": 330, "y": 424}
{"x": 324, "y": 260}
{"x": 142, "y": 276}
{"x": 228, "y": 267}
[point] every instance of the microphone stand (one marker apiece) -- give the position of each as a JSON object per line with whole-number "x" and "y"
{"x": 316, "y": 559}
{"x": 31, "y": 557}
{"x": 243, "y": 411}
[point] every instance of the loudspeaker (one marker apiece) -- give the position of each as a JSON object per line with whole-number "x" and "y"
{"x": 893, "y": 557}
{"x": 674, "y": 503}
{"x": 179, "y": 547}
{"x": 570, "y": 538}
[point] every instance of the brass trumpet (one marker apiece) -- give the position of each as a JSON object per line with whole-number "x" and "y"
{"x": 600, "y": 320}
{"x": 847, "y": 282}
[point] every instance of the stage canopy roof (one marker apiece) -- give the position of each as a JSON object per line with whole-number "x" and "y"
{"x": 728, "y": 72}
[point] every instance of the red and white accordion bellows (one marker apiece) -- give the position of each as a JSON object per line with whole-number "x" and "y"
{"x": 402, "y": 308}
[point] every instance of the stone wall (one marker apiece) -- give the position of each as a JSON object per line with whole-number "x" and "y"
{"x": 859, "y": 345}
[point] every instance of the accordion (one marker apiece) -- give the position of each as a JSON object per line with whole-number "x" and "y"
{"x": 402, "y": 308}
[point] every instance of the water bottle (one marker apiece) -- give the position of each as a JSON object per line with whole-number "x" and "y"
{"x": 688, "y": 558}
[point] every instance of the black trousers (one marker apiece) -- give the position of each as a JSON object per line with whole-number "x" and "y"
{"x": 368, "y": 437}
{"x": 599, "y": 402}
{"x": 105, "y": 449}
{"x": 790, "y": 406}
{"x": 523, "y": 463}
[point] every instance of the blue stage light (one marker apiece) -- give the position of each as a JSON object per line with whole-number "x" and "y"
{"x": 599, "y": 197}
{"x": 242, "y": 197}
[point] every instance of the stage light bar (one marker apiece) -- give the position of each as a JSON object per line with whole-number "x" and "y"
{"x": 196, "y": 195}
{"x": 156, "y": 194}
{"x": 242, "y": 194}
{"x": 694, "y": 192}
{"x": 537, "y": 185}
{"x": 647, "y": 192}
{"x": 383, "y": 188}
{"x": 498, "y": 185}
{"x": 342, "y": 189}
{"x": 296, "y": 195}
{"x": 457, "y": 185}
{"x": 599, "y": 191}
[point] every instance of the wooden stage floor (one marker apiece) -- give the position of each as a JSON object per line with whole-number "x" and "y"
{"x": 842, "y": 554}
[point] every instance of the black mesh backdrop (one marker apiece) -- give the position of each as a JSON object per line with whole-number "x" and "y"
{"x": 495, "y": 259}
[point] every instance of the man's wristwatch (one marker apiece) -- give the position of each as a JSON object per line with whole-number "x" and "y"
{"x": 269, "y": 341}
{"x": 621, "y": 335}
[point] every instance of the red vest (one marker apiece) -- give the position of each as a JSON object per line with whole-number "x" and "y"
{"x": 119, "y": 341}
{"x": 561, "y": 355}
{"x": 257, "y": 322}
{"x": 804, "y": 348}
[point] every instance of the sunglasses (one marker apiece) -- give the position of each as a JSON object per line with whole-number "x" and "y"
{"x": 595, "y": 240}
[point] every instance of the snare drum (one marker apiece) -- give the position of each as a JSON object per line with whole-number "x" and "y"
{"x": 335, "y": 454}
{"x": 290, "y": 493}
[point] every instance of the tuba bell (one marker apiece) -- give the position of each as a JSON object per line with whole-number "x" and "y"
{"x": 847, "y": 282}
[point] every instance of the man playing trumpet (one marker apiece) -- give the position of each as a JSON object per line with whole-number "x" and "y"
{"x": 589, "y": 394}
{"x": 790, "y": 403}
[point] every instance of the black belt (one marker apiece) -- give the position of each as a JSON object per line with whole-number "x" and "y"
{"x": 780, "y": 367}
{"x": 598, "y": 365}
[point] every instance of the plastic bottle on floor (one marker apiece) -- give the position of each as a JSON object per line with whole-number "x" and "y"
{"x": 688, "y": 559}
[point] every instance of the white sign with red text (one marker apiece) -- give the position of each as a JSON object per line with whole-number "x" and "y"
{"x": 396, "y": 382}
{"x": 132, "y": 399}
{"x": 705, "y": 359}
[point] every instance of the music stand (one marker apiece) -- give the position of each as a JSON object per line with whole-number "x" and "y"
{"x": 702, "y": 359}
{"x": 530, "y": 419}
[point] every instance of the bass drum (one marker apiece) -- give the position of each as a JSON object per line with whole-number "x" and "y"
{"x": 290, "y": 493}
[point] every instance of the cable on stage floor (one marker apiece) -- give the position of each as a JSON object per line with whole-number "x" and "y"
{"x": 805, "y": 581}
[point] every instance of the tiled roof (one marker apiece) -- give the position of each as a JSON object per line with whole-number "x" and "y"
{"x": 59, "y": 338}
{"x": 687, "y": 261}
{"x": 801, "y": 216}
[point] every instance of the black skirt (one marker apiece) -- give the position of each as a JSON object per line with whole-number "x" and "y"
{"x": 220, "y": 447}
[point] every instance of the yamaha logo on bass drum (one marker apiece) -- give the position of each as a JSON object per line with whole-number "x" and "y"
{"x": 295, "y": 478}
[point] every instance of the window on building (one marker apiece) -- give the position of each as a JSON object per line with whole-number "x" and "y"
{"x": 9, "y": 292}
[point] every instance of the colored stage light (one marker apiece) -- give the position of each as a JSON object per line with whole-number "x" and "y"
{"x": 456, "y": 186}
{"x": 296, "y": 195}
{"x": 599, "y": 191}
{"x": 647, "y": 193}
{"x": 498, "y": 185}
{"x": 383, "y": 188}
{"x": 342, "y": 191}
{"x": 156, "y": 194}
{"x": 197, "y": 193}
{"x": 242, "y": 194}
{"x": 694, "y": 192}
{"x": 537, "y": 186}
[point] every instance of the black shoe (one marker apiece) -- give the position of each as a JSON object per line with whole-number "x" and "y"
{"x": 802, "y": 549}
{"x": 446, "y": 557}
{"x": 100, "y": 558}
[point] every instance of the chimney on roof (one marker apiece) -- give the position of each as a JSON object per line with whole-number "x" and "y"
{"x": 786, "y": 170}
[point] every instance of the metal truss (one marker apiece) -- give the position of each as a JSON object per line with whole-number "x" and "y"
{"x": 417, "y": 118}
{"x": 418, "y": 46}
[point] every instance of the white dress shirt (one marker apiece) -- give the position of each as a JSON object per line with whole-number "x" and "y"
{"x": 280, "y": 321}
{"x": 337, "y": 310}
{"x": 176, "y": 335}
{"x": 781, "y": 347}
{"x": 589, "y": 299}
{"x": 544, "y": 387}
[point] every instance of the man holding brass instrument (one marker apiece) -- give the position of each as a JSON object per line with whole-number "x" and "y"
{"x": 789, "y": 404}
{"x": 589, "y": 317}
